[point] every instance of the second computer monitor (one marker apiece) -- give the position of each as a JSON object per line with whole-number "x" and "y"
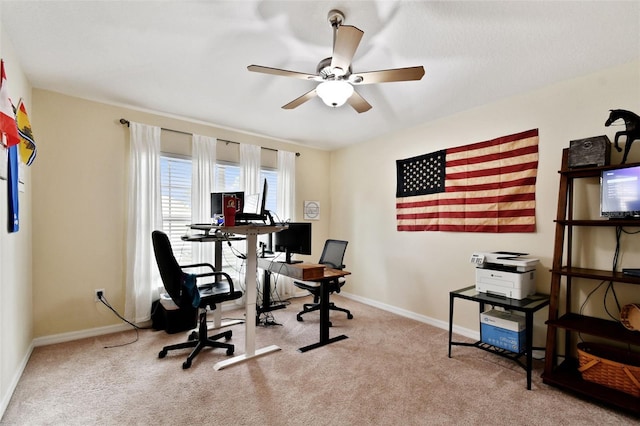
{"x": 296, "y": 239}
{"x": 216, "y": 202}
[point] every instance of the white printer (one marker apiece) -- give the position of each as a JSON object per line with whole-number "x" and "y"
{"x": 505, "y": 274}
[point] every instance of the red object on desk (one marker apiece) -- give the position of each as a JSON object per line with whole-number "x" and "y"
{"x": 230, "y": 203}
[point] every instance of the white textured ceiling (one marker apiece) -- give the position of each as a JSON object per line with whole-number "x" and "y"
{"x": 189, "y": 58}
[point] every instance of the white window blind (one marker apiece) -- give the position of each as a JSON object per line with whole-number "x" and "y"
{"x": 175, "y": 186}
{"x": 227, "y": 177}
{"x": 272, "y": 182}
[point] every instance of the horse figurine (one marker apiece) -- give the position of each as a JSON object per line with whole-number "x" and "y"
{"x": 632, "y": 132}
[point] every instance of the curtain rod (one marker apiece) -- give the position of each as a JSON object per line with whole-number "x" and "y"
{"x": 125, "y": 122}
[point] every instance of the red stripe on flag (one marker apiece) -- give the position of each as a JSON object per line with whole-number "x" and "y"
{"x": 508, "y": 198}
{"x": 498, "y": 141}
{"x": 470, "y": 214}
{"x": 493, "y": 185}
{"x": 503, "y": 229}
{"x": 493, "y": 157}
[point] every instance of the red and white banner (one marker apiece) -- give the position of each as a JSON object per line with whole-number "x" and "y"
{"x": 8, "y": 125}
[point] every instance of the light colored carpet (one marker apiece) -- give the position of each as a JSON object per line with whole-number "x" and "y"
{"x": 391, "y": 370}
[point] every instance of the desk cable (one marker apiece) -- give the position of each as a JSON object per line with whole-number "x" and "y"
{"x": 105, "y": 302}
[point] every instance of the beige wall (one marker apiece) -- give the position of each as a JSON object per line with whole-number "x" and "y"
{"x": 414, "y": 271}
{"x": 16, "y": 334}
{"x": 81, "y": 199}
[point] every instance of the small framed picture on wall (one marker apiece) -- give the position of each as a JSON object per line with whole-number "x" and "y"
{"x": 311, "y": 210}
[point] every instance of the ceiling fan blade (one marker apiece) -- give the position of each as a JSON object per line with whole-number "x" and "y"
{"x": 358, "y": 103}
{"x": 384, "y": 76}
{"x": 299, "y": 101}
{"x": 345, "y": 44}
{"x": 284, "y": 73}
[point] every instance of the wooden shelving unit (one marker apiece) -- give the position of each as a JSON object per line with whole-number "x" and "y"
{"x": 566, "y": 375}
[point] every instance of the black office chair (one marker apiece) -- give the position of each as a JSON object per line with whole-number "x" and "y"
{"x": 174, "y": 277}
{"x": 332, "y": 256}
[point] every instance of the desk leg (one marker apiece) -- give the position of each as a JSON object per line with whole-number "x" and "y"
{"x": 250, "y": 312}
{"x": 217, "y": 319}
{"x": 217, "y": 313}
{"x": 451, "y": 299}
{"x": 529, "y": 347}
{"x": 324, "y": 321}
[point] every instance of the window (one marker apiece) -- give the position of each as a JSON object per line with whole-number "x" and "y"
{"x": 228, "y": 179}
{"x": 271, "y": 176}
{"x": 175, "y": 190}
{"x": 175, "y": 182}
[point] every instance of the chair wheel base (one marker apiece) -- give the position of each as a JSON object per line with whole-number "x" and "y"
{"x": 349, "y": 316}
{"x": 162, "y": 354}
{"x": 186, "y": 364}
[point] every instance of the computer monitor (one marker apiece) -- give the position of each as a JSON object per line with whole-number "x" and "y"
{"x": 254, "y": 206}
{"x": 295, "y": 239}
{"x": 620, "y": 192}
{"x": 216, "y": 202}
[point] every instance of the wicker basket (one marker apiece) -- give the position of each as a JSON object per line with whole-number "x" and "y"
{"x": 609, "y": 366}
{"x": 630, "y": 316}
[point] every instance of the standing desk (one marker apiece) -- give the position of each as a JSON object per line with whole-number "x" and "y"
{"x": 328, "y": 276}
{"x": 251, "y": 232}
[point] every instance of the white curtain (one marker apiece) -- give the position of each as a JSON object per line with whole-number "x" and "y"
{"x": 286, "y": 205}
{"x": 144, "y": 216}
{"x": 250, "y": 169}
{"x": 286, "y": 185}
{"x": 202, "y": 183}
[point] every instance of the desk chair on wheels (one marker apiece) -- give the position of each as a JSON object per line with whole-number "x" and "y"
{"x": 332, "y": 257}
{"x": 174, "y": 279}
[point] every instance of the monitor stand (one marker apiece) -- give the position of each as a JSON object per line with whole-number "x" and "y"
{"x": 288, "y": 259}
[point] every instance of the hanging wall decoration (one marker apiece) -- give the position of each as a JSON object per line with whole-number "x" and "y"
{"x": 311, "y": 210}
{"x": 27, "y": 142}
{"x": 483, "y": 187}
{"x": 10, "y": 138}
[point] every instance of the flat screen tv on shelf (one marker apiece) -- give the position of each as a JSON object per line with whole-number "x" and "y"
{"x": 620, "y": 193}
{"x": 295, "y": 239}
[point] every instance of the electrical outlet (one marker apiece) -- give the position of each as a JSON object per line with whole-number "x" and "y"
{"x": 99, "y": 292}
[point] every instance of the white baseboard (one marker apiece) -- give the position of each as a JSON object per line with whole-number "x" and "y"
{"x": 99, "y": 331}
{"x": 475, "y": 335}
{"x": 14, "y": 381}
{"x": 81, "y": 334}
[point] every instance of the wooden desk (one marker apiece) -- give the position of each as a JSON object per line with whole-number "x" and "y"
{"x": 327, "y": 277}
{"x": 251, "y": 232}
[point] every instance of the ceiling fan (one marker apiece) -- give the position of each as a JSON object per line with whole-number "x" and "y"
{"x": 334, "y": 74}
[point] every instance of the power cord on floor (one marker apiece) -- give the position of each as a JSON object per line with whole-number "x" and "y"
{"x": 102, "y": 298}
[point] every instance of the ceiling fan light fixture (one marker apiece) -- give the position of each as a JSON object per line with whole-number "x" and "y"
{"x": 334, "y": 93}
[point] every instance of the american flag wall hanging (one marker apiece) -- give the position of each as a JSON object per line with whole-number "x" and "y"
{"x": 483, "y": 187}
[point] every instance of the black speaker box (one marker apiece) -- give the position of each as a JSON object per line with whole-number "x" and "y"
{"x": 589, "y": 152}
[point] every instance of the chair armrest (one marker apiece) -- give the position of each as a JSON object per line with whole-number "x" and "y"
{"x": 198, "y": 265}
{"x": 333, "y": 266}
{"x": 307, "y": 285}
{"x": 217, "y": 273}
